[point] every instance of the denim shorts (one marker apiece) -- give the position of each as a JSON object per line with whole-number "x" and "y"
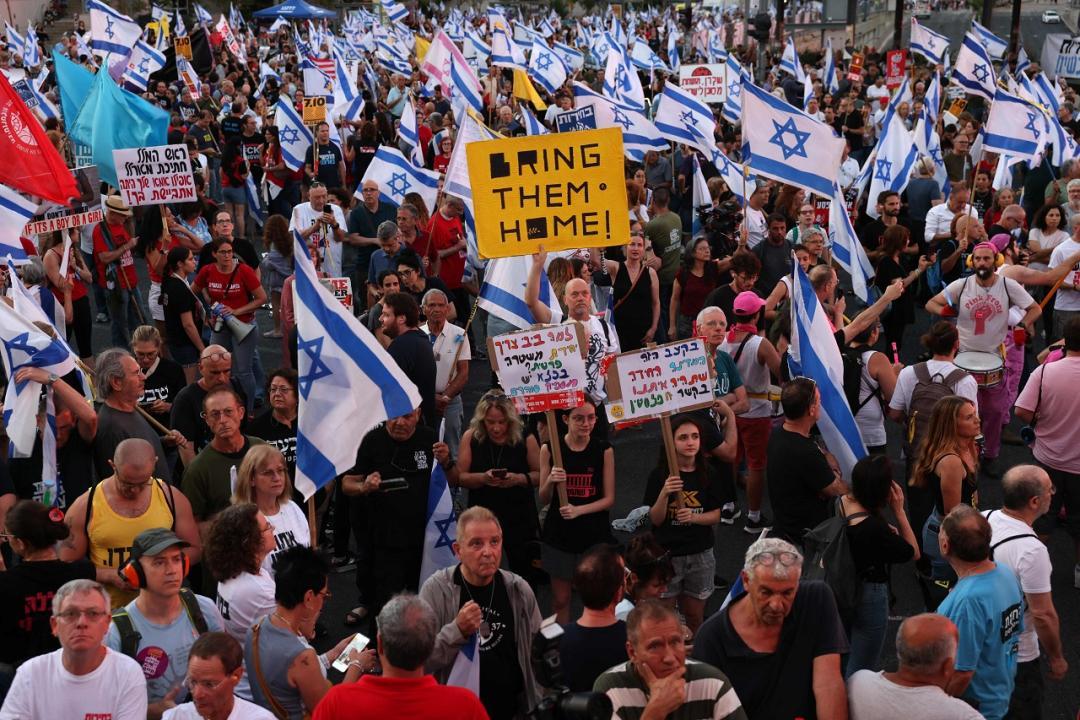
{"x": 694, "y": 575}
{"x": 234, "y": 195}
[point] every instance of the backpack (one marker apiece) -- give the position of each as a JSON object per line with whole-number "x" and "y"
{"x": 130, "y": 637}
{"x": 827, "y": 557}
{"x": 928, "y": 390}
{"x": 853, "y": 368}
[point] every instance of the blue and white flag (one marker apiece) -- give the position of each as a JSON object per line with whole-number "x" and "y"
{"x": 808, "y": 92}
{"x": 15, "y": 42}
{"x": 787, "y": 144}
{"x": 621, "y": 81}
{"x": 346, "y": 379}
{"x": 932, "y": 99}
{"x": 736, "y": 78}
{"x": 254, "y": 201}
{"x": 440, "y": 530}
{"x": 929, "y": 145}
{"x": 316, "y": 80}
{"x": 31, "y": 54}
{"x": 702, "y": 199}
{"x": 994, "y": 45}
{"x": 295, "y": 137}
{"x": 395, "y": 11}
{"x": 505, "y": 52}
{"x": 143, "y": 62}
{"x": 531, "y": 124}
{"x": 642, "y": 56}
{"x": 828, "y": 75}
{"x": 618, "y": 33}
{"x": 639, "y": 135}
{"x": 974, "y": 70}
{"x": 789, "y": 63}
{"x": 546, "y": 67}
{"x": 893, "y": 162}
{"x": 15, "y": 212}
{"x": 674, "y": 60}
{"x": 1023, "y": 62}
{"x": 733, "y": 176}
{"x": 202, "y": 15}
{"x": 572, "y": 58}
{"x": 466, "y": 669}
{"x": 1049, "y": 92}
{"x": 503, "y": 292}
{"x": 110, "y": 31}
{"x": 475, "y": 47}
{"x": 178, "y": 29}
{"x": 409, "y": 132}
{"x": 846, "y": 248}
{"x": 681, "y": 117}
{"x": 931, "y": 45}
{"x": 1014, "y": 127}
{"x": 397, "y": 176}
{"x": 816, "y": 355}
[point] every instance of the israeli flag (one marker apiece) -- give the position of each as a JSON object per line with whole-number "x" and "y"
{"x": 15, "y": 212}
{"x": 546, "y": 67}
{"x": 294, "y": 136}
{"x": 681, "y": 117}
{"x": 573, "y": 59}
{"x": 674, "y": 60}
{"x": 1049, "y": 92}
{"x": 642, "y": 56}
{"x": 787, "y": 144}
{"x": 397, "y": 176}
{"x": 618, "y": 34}
{"x": 178, "y": 28}
{"x": 808, "y": 92}
{"x": 346, "y": 380}
{"x": 932, "y": 99}
{"x": 235, "y": 18}
{"x": 465, "y": 89}
{"x": 789, "y": 62}
{"x": 1014, "y": 127}
{"x": 143, "y": 62}
{"x": 974, "y": 70}
{"x": 440, "y": 531}
{"x": 466, "y": 669}
{"x": 931, "y": 45}
{"x": 828, "y": 76}
{"x": 732, "y": 173}
{"x": 110, "y": 31}
{"x": 475, "y": 47}
{"x": 894, "y": 161}
{"x": 31, "y": 53}
{"x": 702, "y": 199}
{"x": 1023, "y": 62}
{"x": 409, "y": 133}
{"x": 621, "y": 81}
{"x": 994, "y": 45}
{"x": 815, "y": 354}
{"x": 395, "y": 11}
{"x": 846, "y": 248}
{"x": 254, "y": 201}
{"x": 15, "y": 42}
{"x": 505, "y": 52}
{"x": 639, "y": 135}
{"x": 503, "y": 292}
{"x": 545, "y": 28}
{"x": 202, "y": 15}
{"x": 532, "y": 125}
{"x": 929, "y": 145}
{"x": 736, "y": 79}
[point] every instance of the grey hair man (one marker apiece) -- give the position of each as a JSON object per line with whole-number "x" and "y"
{"x": 405, "y": 640}
{"x": 794, "y": 630}
{"x": 450, "y": 346}
{"x": 926, "y": 648}
{"x": 53, "y": 685}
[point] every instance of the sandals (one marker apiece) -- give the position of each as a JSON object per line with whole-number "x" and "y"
{"x": 356, "y": 616}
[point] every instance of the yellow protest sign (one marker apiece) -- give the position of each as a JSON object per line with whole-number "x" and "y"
{"x": 563, "y": 190}
{"x": 183, "y": 47}
{"x": 314, "y": 110}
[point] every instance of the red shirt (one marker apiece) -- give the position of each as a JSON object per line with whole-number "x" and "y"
{"x": 399, "y": 698}
{"x": 78, "y": 290}
{"x": 445, "y": 234}
{"x": 441, "y": 163}
{"x": 421, "y": 244}
{"x": 128, "y": 279}
{"x": 240, "y": 290}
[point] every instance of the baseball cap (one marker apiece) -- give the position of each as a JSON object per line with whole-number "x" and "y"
{"x": 748, "y": 303}
{"x": 1000, "y": 241}
{"x": 151, "y": 542}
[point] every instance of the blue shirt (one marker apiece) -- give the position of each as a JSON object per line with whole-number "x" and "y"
{"x": 988, "y": 610}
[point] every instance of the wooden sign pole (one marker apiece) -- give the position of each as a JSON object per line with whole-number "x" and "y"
{"x": 669, "y": 450}
{"x": 556, "y": 452}
{"x": 312, "y": 524}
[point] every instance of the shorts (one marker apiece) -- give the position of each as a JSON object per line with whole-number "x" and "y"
{"x": 234, "y": 195}
{"x": 184, "y": 355}
{"x": 1067, "y": 494}
{"x": 558, "y": 563}
{"x": 694, "y": 576}
{"x": 157, "y": 310}
{"x": 753, "y": 441}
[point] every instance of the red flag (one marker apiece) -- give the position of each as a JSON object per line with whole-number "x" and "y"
{"x": 30, "y": 163}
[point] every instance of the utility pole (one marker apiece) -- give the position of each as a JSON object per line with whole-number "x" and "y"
{"x": 898, "y": 23}
{"x": 1014, "y": 32}
{"x": 987, "y": 12}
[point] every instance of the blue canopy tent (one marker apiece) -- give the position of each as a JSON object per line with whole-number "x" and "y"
{"x": 295, "y": 10}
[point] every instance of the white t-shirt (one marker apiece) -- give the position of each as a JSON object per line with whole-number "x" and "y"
{"x": 1046, "y": 242}
{"x": 290, "y": 529}
{"x": 871, "y": 696}
{"x": 983, "y": 312}
{"x": 304, "y": 217}
{"x": 1066, "y": 299}
{"x": 966, "y": 387}
{"x": 600, "y": 344}
{"x": 44, "y": 689}
{"x": 875, "y": 92}
{"x": 243, "y": 600}
{"x": 444, "y": 347}
{"x": 939, "y": 218}
{"x": 756, "y": 227}
{"x": 1029, "y": 559}
{"x": 242, "y": 710}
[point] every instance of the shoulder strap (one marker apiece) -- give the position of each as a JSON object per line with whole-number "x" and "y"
{"x": 999, "y": 543}
{"x": 738, "y": 350}
{"x": 256, "y": 664}
{"x": 954, "y": 377}
{"x": 129, "y": 636}
{"x": 604, "y": 325}
{"x": 922, "y": 372}
{"x": 874, "y": 393}
{"x": 195, "y": 613}
{"x": 167, "y": 491}
{"x": 89, "y": 512}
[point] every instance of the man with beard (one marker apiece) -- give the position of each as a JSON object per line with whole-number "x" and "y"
{"x": 411, "y": 349}
{"x": 779, "y": 641}
{"x": 988, "y": 305}
{"x": 888, "y": 207}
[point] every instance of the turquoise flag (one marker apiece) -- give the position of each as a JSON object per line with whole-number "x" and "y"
{"x": 112, "y": 119}
{"x": 75, "y": 82}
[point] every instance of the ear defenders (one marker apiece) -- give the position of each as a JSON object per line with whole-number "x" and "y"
{"x": 132, "y": 572}
{"x": 999, "y": 260}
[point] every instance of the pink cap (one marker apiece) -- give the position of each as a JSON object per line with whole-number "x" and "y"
{"x": 1000, "y": 241}
{"x": 748, "y": 303}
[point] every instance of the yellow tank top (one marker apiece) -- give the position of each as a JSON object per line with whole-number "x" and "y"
{"x": 111, "y": 535}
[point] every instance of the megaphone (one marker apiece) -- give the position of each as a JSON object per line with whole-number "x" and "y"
{"x": 238, "y": 328}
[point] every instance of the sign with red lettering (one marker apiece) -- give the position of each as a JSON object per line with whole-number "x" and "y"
{"x": 895, "y": 68}
{"x": 707, "y": 83}
{"x": 542, "y": 368}
{"x": 855, "y": 68}
{"x": 155, "y": 175}
{"x": 341, "y": 287}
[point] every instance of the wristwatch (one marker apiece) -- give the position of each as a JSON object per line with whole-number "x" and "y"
{"x": 53, "y": 377}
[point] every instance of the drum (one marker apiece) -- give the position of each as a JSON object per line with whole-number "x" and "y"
{"x": 988, "y": 369}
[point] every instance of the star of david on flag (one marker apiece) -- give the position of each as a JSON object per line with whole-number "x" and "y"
{"x": 799, "y": 138}
{"x": 397, "y": 176}
{"x": 681, "y": 117}
{"x": 440, "y": 530}
{"x": 294, "y": 136}
{"x": 639, "y": 135}
{"x": 1011, "y": 127}
{"x": 974, "y": 70}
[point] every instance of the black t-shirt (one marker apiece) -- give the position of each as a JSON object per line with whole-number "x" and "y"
{"x": 326, "y": 169}
{"x": 796, "y": 472}
{"x": 186, "y": 415}
{"x": 232, "y": 126}
{"x": 903, "y": 308}
{"x": 871, "y": 233}
{"x": 398, "y": 516}
{"x": 266, "y": 427}
{"x": 776, "y": 685}
{"x": 698, "y": 497}
{"x": 187, "y": 111}
{"x": 584, "y": 485}
{"x": 26, "y": 594}
{"x": 501, "y": 681}
{"x": 177, "y": 299}
{"x": 586, "y": 652}
{"x": 873, "y": 546}
{"x": 412, "y": 352}
{"x": 164, "y": 383}
{"x": 514, "y": 506}
{"x": 723, "y": 297}
{"x": 74, "y": 471}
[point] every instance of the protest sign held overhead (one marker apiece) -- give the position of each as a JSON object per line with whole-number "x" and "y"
{"x": 155, "y": 175}
{"x": 660, "y": 380}
{"x": 707, "y": 83}
{"x": 541, "y": 368}
{"x": 575, "y": 120}
{"x": 563, "y": 190}
{"x": 314, "y": 110}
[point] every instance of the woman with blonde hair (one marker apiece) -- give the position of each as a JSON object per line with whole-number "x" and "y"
{"x": 263, "y": 479}
{"x": 500, "y": 466}
{"x": 947, "y": 470}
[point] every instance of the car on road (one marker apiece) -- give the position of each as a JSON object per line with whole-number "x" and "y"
{"x": 1051, "y": 16}
{"x": 922, "y": 9}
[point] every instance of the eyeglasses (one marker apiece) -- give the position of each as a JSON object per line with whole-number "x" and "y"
{"x": 91, "y": 614}
{"x": 206, "y": 685}
{"x": 325, "y": 594}
{"x": 215, "y": 356}
{"x": 280, "y": 389}
{"x": 146, "y": 355}
{"x": 218, "y": 414}
{"x": 769, "y": 558}
{"x": 224, "y": 251}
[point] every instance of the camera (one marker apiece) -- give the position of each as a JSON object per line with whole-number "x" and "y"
{"x": 1027, "y": 434}
{"x": 560, "y": 703}
{"x": 721, "y": 226}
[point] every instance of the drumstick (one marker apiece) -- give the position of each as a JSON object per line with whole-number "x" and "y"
{"x": 895, "y": 354}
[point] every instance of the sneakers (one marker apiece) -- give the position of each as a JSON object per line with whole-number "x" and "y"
{"x": 342, "y": 563}
{"x": 729, "y": 514}
{"x": 102, "y": 319}
{"x": 755, "y": 527}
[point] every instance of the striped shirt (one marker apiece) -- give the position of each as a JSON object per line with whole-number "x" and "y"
{"x": 709, "y": 695}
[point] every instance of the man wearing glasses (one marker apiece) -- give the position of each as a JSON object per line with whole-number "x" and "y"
{"x": 215, "y": 666}
{"x": 779, "y": 641}
{"x": 84, "y": 678}
{"x": 158, "y": 627}
{"x": 215, "y": 370}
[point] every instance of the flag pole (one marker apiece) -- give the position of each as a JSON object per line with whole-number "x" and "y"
{"x": 312, "y": 529}
{"x": 556, "y": 452}
{"x": 669, "y": 451}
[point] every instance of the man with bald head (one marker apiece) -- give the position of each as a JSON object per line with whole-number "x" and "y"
{"x": 987, "y": 606}
{"x": 363, "y": 237}
{"x": 1026, "y": 491}
{"x": 215, "y": 370}
{"x": 105, "y": 520}
{"x": 926, "y": 649}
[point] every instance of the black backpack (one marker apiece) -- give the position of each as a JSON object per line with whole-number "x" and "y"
{"x": 853, "y": 368}
{"x": 827, "y": 557}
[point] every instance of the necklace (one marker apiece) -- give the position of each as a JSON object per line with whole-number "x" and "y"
{"x": 287, "y": 623}
{"x": 496, "y": 461}
{"x": 485, "y": 626}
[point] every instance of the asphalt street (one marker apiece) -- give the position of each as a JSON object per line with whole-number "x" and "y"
{"x": 955, "y": 23}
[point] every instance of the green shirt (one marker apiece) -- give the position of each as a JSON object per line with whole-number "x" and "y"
{"x": 714, "y": 697}
{"x": 665, "y": 233}
{"x": 207, "y": 483}
{"x": 728, "y": 379}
